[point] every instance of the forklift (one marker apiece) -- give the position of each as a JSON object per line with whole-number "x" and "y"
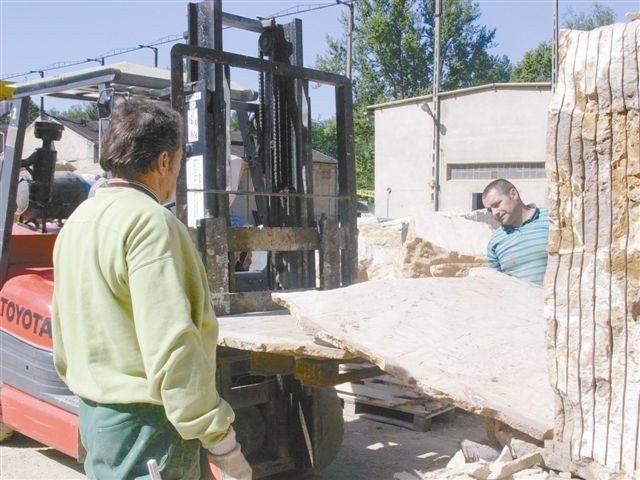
{"x": 288, "y": 415}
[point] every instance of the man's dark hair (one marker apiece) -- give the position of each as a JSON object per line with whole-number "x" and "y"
{"x": 139, "y": 130}
{"x": 500, "y": 185}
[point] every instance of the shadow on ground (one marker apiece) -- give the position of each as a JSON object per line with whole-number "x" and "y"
{"x": 375, "y": 451}
{"x": 370, "y": 451}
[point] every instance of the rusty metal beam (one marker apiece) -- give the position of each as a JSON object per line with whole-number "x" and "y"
{"x": 325, "y": 373}
{"x": 275, "y": 239}
{"x": 271, "y": 364}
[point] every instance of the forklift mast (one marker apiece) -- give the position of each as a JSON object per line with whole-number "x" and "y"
{"x": 276, "y": 137}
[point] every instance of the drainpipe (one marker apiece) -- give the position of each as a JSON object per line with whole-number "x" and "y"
{"x": 436, "y": 107}
{"x": 388, "y": 197}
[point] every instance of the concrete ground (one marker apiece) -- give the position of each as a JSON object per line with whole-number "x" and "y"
{"x": 370, "y": 451}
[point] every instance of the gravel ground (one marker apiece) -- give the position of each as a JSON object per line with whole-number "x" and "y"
{"x": 370, "y": 451}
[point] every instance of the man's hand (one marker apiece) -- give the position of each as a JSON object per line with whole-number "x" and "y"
{"x": 230, "y": 466}
{"x": 226, "y": 460}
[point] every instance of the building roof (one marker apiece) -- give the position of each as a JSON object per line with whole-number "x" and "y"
{"x": 87, "y": 128}
{"x": 464, "y": 91}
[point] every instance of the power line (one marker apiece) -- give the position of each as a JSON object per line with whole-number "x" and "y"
{"x": 98, "y": 58}
{"x": 167, "y": 39}
{"x": 299, "y": 9}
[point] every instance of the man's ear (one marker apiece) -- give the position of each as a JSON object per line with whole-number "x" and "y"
{"x": 162, "y": 162}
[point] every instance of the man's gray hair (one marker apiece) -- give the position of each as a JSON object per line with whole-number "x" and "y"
{"x": 500, "y": 185}
{"x": 140, "y": 129}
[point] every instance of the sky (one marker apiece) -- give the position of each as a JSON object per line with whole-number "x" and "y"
{"x": 38, "y": 34}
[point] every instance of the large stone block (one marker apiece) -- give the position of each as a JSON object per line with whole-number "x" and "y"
{"x": 592, "y": 294}
{"x": 431, "y": 244}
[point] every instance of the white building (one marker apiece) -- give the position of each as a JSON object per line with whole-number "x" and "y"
{"x": 78, "y": 146}
{"x": 487, "y": 132}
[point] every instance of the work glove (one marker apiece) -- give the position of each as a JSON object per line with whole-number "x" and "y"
{"x": 226, "y": 460}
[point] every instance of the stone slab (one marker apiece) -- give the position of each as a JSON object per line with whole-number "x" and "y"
{"x": 476, "y": 341}
{"x": 273, "y": 332}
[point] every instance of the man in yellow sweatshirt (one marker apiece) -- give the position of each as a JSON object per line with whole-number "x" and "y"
{"x": 133, "y": 328}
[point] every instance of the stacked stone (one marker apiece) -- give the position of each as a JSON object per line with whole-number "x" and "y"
{"x": 592, "y": 287}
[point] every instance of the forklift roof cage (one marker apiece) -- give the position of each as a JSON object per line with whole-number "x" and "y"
{"x": 81, "y": 85}
{"x": 123, "y": 77}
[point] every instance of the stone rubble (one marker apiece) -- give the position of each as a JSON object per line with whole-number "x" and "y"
{"x": 505, "y": 466}
{"x": 432, "y": 244}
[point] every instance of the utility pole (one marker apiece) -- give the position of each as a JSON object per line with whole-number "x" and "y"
{"x": 155, "y": 53}
{"x": 42, "y": 96}
{"x": 436, "y": 107}
{"x": 349, "y": 67}
{"x": 554, "y": 61}
{"x": 350, "y": 41}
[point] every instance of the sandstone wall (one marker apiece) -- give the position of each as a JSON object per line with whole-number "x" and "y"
{"x": 592, "y": 286}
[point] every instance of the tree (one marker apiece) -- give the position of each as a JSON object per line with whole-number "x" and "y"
{"x": 465, "y": 58}
{"x": 363, "y": 133}
{"x": 535, "y": 65}
{"x": 393, "y": 48}
{"x": 391, "y": 56}
{"x": 88, "y": 111}
{"x": 598, "y": 17}
{"x": 33, "y": 112}
{"x": 393, "y": 51}
{"x": 324, "y": 136}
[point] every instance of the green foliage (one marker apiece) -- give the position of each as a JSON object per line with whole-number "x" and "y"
{"x": 234, "y": 123}
{"x": 33, "y": 112}
{"x": 393, "y": 49}
{"x": 535, "y": 65}
{"x": 335, "y": 60}
{"x": 393, "y": 52}
{"x": 324, "y": 139}
{"x": 363, "y": 132}
{"x": 391, "y": 56}
{"x": 598, "y": 17}
{"x": 464, "y": 47}
{"x": 80, "y": 112}
{"x": 324, "y": 136}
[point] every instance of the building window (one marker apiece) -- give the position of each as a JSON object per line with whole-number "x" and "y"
{"x": 476, "y": 201}
{"x": 489, "y": 171}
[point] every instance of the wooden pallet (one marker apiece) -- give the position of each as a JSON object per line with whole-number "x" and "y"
{"x": 386, "y": 400}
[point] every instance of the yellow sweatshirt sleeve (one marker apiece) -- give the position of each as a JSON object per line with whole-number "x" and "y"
{"x": 177, "y": 331}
